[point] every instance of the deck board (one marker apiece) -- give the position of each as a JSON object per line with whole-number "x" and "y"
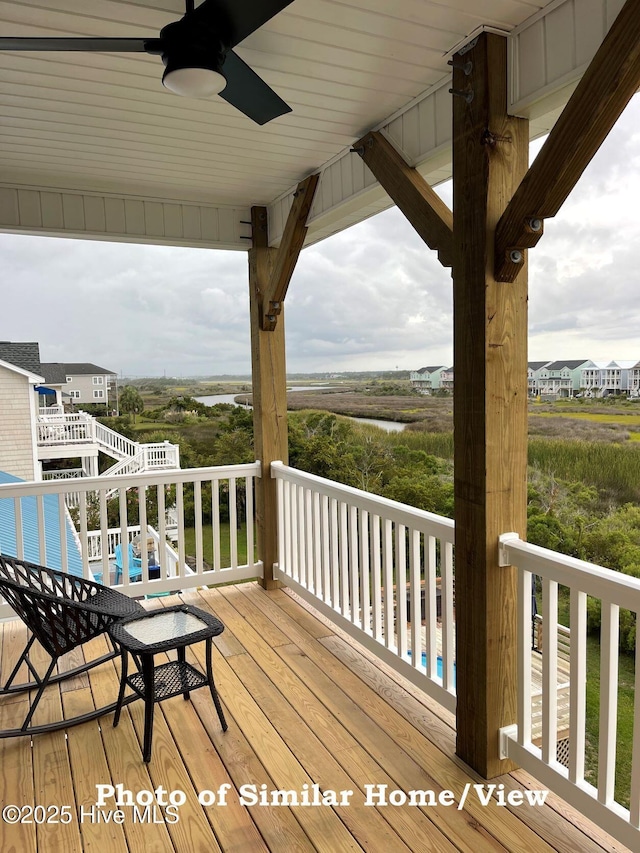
{"x": 305, "y": 705}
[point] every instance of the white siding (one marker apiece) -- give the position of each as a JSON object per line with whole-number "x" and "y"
{"x": 16, "y": 439}
{"x": 69, "y": 214}
{"x": 348, "y": 192}
{"x": 85, "y": 385}
{"x": 551, "y": 51}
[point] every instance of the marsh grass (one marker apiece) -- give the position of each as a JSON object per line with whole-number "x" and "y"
{"x": 613, "y": 468}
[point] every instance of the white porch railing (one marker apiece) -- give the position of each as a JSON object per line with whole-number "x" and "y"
{"x": 614, "y": 590}
{"x": 377, "y": 569}
{"x": 76, "y": 428}
{"x": 66, "y": 474}
{"x": 141, "y": 499}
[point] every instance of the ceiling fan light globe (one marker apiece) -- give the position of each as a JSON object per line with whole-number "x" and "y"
{"x": 194, "y": 82}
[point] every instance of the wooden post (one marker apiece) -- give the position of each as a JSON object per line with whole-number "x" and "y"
{"x": 490, "y": 402}
{"x": 269, "y": 394}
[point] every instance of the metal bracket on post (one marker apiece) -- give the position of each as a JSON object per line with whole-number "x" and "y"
{"x": 506, "y": 734}
{"x": 504, "y": 558}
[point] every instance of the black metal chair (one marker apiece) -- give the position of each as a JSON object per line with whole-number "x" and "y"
{"x": 62, "y": 612}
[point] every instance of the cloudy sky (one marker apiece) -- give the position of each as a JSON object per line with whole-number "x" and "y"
{"x": 372, "y": 298}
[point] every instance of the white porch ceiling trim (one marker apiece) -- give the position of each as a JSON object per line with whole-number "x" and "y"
{"x": 128, "y": 219}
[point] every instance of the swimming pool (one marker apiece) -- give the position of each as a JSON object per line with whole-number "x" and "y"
{"x": 438, "y": 665}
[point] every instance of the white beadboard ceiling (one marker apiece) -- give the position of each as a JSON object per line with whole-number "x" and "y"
{"x": 101, "y": 125}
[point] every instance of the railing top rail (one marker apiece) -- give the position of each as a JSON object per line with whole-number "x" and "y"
{"x": 374, "y": 504}
{"x": 62, "y": 417}
{"x": 145, "y": 478}
{"x": 598, "y": 581}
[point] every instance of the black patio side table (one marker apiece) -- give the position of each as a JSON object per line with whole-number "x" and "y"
{"x": 162, "y": 631}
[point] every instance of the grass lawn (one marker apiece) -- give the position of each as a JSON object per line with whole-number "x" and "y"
{"x": 626, "y": 695}
{"x": 225, "y": 544}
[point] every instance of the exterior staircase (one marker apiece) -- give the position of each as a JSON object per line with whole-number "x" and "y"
{"x": 79, "y": 430}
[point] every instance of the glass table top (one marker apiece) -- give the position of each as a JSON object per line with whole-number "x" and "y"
{"x": 164, "y": 626}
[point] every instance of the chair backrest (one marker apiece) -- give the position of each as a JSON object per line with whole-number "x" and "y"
{"x": 61, "y": 610}
{"x": 135, "y": 563}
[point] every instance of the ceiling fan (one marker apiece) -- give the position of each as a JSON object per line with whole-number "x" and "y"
{"x": 197, "y": 51}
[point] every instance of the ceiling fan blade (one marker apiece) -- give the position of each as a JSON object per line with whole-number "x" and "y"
{"x": 105, "y": 45}
{"x": 238, "y": 18}
{"x": 249, "y": 93}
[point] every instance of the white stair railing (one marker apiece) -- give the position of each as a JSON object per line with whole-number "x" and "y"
{"x": 150, "y": 457}
{"x": 129, "y": 465}
{"x": 114, "y": 443}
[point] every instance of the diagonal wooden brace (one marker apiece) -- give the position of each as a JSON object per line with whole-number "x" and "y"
{"x": 605, "y": 89}
{"x": 295, "y": 231}
{"x": 423, "y": 207}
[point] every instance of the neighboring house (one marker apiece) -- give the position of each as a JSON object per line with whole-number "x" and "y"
{"x": 561, "y": 378}
{"x": 427, "y": 379}
{"x": 533, "y": 376}
{"x": 617, "y": 377}
{"x": 446, "y": 379}
{"x": 83, "y": 382}
{"x": 55, "y": 378}
{"x": 18, "y": 415}
{"x": 32, "y": 435}
{"x": 602, "y": 379}
{"x": 591, "y": 378}
{"x": 634, "y": 380}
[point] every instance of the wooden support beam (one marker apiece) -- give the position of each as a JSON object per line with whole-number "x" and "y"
{"x": 605, "y": 89}
{"x": 268, "y": 377}
{"x": 295, "y": 231}
{"x": 423, "y": 207}
{"x": 490, "y": 404}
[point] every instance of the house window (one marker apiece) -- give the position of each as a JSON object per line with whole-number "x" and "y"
{"x": 75, "y": 395}
{"x": 97, "y": 380}
{"x": 68, "y": 378}
{"x": 98, "y": 395}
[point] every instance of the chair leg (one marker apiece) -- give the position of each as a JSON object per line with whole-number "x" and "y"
{"x": 24, "y": 658}
{"x": 34, "y": 704}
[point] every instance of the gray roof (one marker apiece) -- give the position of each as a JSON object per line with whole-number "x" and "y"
{"x": 54, "y": 374}
{"x": 430, "y": 369}
{"x": 81, "y": 368}
{"x": 25, "y": 355}
{"x": 572, "y": 365}
{"x": 536, "y": 365}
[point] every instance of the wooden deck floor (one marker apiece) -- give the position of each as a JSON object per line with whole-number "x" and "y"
{"x": 304, "y": 706}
